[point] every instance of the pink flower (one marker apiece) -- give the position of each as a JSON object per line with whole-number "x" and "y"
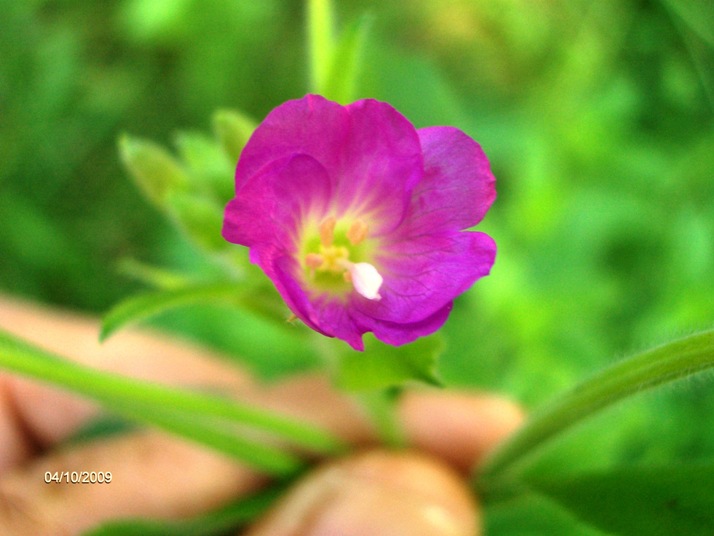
{"x": 358, "y": 218}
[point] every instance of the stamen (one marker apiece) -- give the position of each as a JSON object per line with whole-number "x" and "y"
{"x": 366, "y": 280}
{"x": 333, "y": 260}
{"x": 327, "y": 231}
{"x": 314, "y": 260}
{"x": 357, "y": 232}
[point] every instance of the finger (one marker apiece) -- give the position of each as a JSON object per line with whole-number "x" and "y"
{"x": 142, "y": 354}
{"x": 458, "y": 427}
{"x": 152, "y": 476}
{"x": 376, "y": 493}
{"x": 311, "y": 398}
{"x": 34, "y": 416}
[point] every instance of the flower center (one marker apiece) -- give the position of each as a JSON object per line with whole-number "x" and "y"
{"x": 328, "y": 263}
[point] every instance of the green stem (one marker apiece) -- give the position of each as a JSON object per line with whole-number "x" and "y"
{"x": 320, "y": 41}
{"x": 176, "y": 410}
{"x": 382, "y": 408}
{"x": 663, "y": 364}
{"x": 267, "y": 458}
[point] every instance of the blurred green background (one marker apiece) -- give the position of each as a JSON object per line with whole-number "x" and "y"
{"x": 597, "y": 118}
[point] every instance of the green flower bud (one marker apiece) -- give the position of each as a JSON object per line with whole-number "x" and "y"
{"x": 233, "y": 130}
{"x": 200, "y": 218}
{"x": 210, "y": 170}
{"x": 153, "y": 169}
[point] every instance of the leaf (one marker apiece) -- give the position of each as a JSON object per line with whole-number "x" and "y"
{"x": 634, "y": 501}
{"x": 143, "y": 306}
{"x": 345, "y": 64}
{"x": 697, "y": 14}
{"x": 381, "y": 366}
{"x": 102, "y": 427}
{"x": 532, "y": 514}
{"x": 152, "y": 275}
{"x": 219, "y": 522}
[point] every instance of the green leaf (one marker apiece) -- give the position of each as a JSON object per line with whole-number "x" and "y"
{"x": 640, "y": 501}
{"x": 152, "y": 275}
{"x": 225, "y": 520}
{"x": 532, "y": 514}
{"x": 381, "y": 366}
{"x": 233, "y": 129}
{"x": 663, "y": 364}
{"x": 345, "y": 65}
{"x": 101, "y": 427}
{"x": 219, "y": 522}
{"x": 143, "y": 306}
{"x": 697, "y": 14}
{"x": 154, "y": 170}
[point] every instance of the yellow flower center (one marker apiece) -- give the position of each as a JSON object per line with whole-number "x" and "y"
{"x": 329, "y": 261}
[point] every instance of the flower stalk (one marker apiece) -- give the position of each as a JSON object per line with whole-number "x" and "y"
{"x": 651, "y": 368}
{"x": 235, "y": 428}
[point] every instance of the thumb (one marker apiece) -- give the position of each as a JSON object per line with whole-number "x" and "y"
{"x": 377, "y": 492}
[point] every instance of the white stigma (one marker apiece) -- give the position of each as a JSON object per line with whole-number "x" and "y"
{"x": 366, "y": 280}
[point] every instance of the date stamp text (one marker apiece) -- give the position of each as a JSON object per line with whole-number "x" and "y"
{"x": 78, "y": 477}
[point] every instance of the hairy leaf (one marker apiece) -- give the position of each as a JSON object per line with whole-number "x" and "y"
{"x": 640, "y": 501}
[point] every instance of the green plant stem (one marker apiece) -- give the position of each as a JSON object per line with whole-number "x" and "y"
{"x": 382, "y": 408}
{"x": 320, "y": 42}
{"x": 176, "y": 410}
{"x": 663, "y": 364}
{"x": 218, "y": 436}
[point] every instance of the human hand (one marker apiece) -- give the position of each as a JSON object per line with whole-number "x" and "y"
{"x": 154, "y": 475}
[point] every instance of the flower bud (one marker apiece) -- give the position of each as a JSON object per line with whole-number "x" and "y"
{"x": 200, "y": 218}
{"x": 233, "y": 130}
{"x": 153, "y": 169}
{"x": 210, "y": 172}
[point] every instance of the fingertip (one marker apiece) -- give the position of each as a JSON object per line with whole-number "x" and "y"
{"x": 377, "y": 492}
{"x": 458, "y": 427}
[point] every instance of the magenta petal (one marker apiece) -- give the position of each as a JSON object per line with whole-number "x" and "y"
{"x": 424, "y": 274}
{"x": 397, "y": 334}
{"x": 458, "y": 186}
{"x": 323, "y": 314}
{"x": 327, "y": 316}
{"x": 371, "y": 153}
{"x": 270, "y": 208}
{"x": 312, "y": 125}
{"x": 382, "y": 165}
{"x": 338, "y": 320}
{"x": 283, "y": 270}
{"x": 415, "y": 191}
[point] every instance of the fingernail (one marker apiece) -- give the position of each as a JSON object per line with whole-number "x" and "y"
{"x": 381, "y": 493}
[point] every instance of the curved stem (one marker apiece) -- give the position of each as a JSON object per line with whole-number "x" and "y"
{"x": 659, "y": 365}
{"x": 231, "y": 426}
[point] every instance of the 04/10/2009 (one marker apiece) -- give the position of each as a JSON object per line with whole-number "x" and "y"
{"x": 78, "y": 477}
